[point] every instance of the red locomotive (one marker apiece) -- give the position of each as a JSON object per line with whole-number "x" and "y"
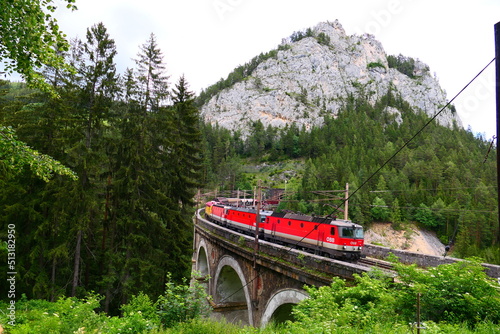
{"x": 340, "y": 239}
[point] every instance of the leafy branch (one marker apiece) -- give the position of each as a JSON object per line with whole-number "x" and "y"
{"x": 15, "y": 155}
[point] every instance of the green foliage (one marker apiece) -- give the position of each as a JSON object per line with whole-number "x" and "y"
{"x": 355, "y": 306}
{"x": 140, "y": 313}
{"x": 137, "y": 160}
{"x": 379, "y": 211}
{"x": 405, "y": 65}
{"x": 454, "y": 293}
{"x": 395, "y": 215}
{"x": 66, "y": 315}
{"x": 455, "y": 298}
{"x": 30, "y": 38}
{"x": 301, "y": 34}
{"x": 425, "y": 216}
{"x": 375, "y": 65}
{"x": 16, "y": 155}
{"x": 182, "y": 302}
{"x": 206, "y": 326}
{"x": 323, "y": 39}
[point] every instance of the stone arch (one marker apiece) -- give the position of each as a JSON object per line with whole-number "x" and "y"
{"x": 281, "y": 300}
{"x": 202, "y": 263}
{"x": 230, "y": 285}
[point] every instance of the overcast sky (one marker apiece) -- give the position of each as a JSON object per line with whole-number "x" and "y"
{"x": 206, "y": 39}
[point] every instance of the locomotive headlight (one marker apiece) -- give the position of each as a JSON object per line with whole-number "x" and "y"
{"x": 344, "y": 247}
{"x": 360, "y": 248}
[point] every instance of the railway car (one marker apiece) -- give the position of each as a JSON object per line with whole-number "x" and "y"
{"x": 340, "y": 239}
{"x": 239, "y": 219}
{"x": 330, "y": 237}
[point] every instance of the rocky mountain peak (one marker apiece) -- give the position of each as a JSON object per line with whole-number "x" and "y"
{"x": 313, "y": 73}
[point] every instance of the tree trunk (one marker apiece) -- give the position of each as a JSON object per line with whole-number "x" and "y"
{"x": 76, "y": 268}
{"x": 53, "y": 279}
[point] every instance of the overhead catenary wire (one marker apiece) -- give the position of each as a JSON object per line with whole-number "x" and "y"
{"x": 430, "y": 208}
{"x": 379, "y": 169}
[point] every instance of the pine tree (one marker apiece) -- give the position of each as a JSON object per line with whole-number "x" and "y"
{"x": 187, "y": 143}
{"x": 154, "y": 181}
{"x": 98, "y": 86}
{"x": 152, "y": 79}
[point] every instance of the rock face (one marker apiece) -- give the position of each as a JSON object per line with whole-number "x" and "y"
{"x": 310, "y": 78}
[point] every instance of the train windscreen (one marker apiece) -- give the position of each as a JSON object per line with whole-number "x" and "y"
{"x": 352, "y": 232}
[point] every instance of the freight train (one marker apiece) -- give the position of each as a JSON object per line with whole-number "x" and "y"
{"x": 339, "y": 239}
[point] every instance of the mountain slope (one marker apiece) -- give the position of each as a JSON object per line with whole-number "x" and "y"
{"x": 314, "y": 75}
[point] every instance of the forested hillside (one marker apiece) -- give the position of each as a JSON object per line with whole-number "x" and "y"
{"x": 133, "y": 142}
{"x": 444, "y": 179}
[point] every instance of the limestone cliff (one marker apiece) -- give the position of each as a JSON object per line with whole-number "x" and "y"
{"x": 315, "y": 75}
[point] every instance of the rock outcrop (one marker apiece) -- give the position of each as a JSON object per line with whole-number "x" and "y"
{"x": 315, "y": 76}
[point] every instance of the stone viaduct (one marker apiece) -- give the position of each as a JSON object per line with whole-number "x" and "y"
{"x": 255, "y": 287}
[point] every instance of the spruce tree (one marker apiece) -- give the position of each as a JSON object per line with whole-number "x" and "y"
{"x": 151, "y": 76}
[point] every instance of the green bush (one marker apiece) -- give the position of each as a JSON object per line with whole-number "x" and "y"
{"x": 453, "y": 296}
{"x": 405, "y": 65}
{"x": 375, "y": 65}
{"x": 341, "y": 306}
{"x": 454, "y": 293}
{"x": 181, "y": 303}
{"x": 66, "y": 315}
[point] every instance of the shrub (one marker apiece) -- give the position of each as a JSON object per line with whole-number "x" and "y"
{"x": 375, "y": 65}
{"x": 455, "y": 293}
{"x": 405, "y": 65}
{"x": 182, "y": 302}
{"x": 323, "y": 39}
{"x": 66, "y": 315}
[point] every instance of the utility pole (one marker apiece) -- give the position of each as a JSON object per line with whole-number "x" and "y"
{"x": 255, "y": 289}
{"x": 497, "y": 64}
{"x": 257, "y": 223}
{"x": 346, "y": 204}
{"x": 418, "y": 313}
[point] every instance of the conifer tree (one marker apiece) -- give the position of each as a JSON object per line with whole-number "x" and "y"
{"x": 187, "y": 143}
{"x": 151, "y": 76}
{"x": 153, "y": 181}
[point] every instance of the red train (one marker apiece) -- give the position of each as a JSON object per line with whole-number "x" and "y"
{"x": 340, "y": 239}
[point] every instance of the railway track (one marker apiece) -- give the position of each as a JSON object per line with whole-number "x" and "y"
{"x": 372, "y": 262}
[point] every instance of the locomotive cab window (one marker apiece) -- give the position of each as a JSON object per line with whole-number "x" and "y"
{"x": 347, "y": 232}
{"x": 352, "y": 232}
{"x": 332, "y": 231}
